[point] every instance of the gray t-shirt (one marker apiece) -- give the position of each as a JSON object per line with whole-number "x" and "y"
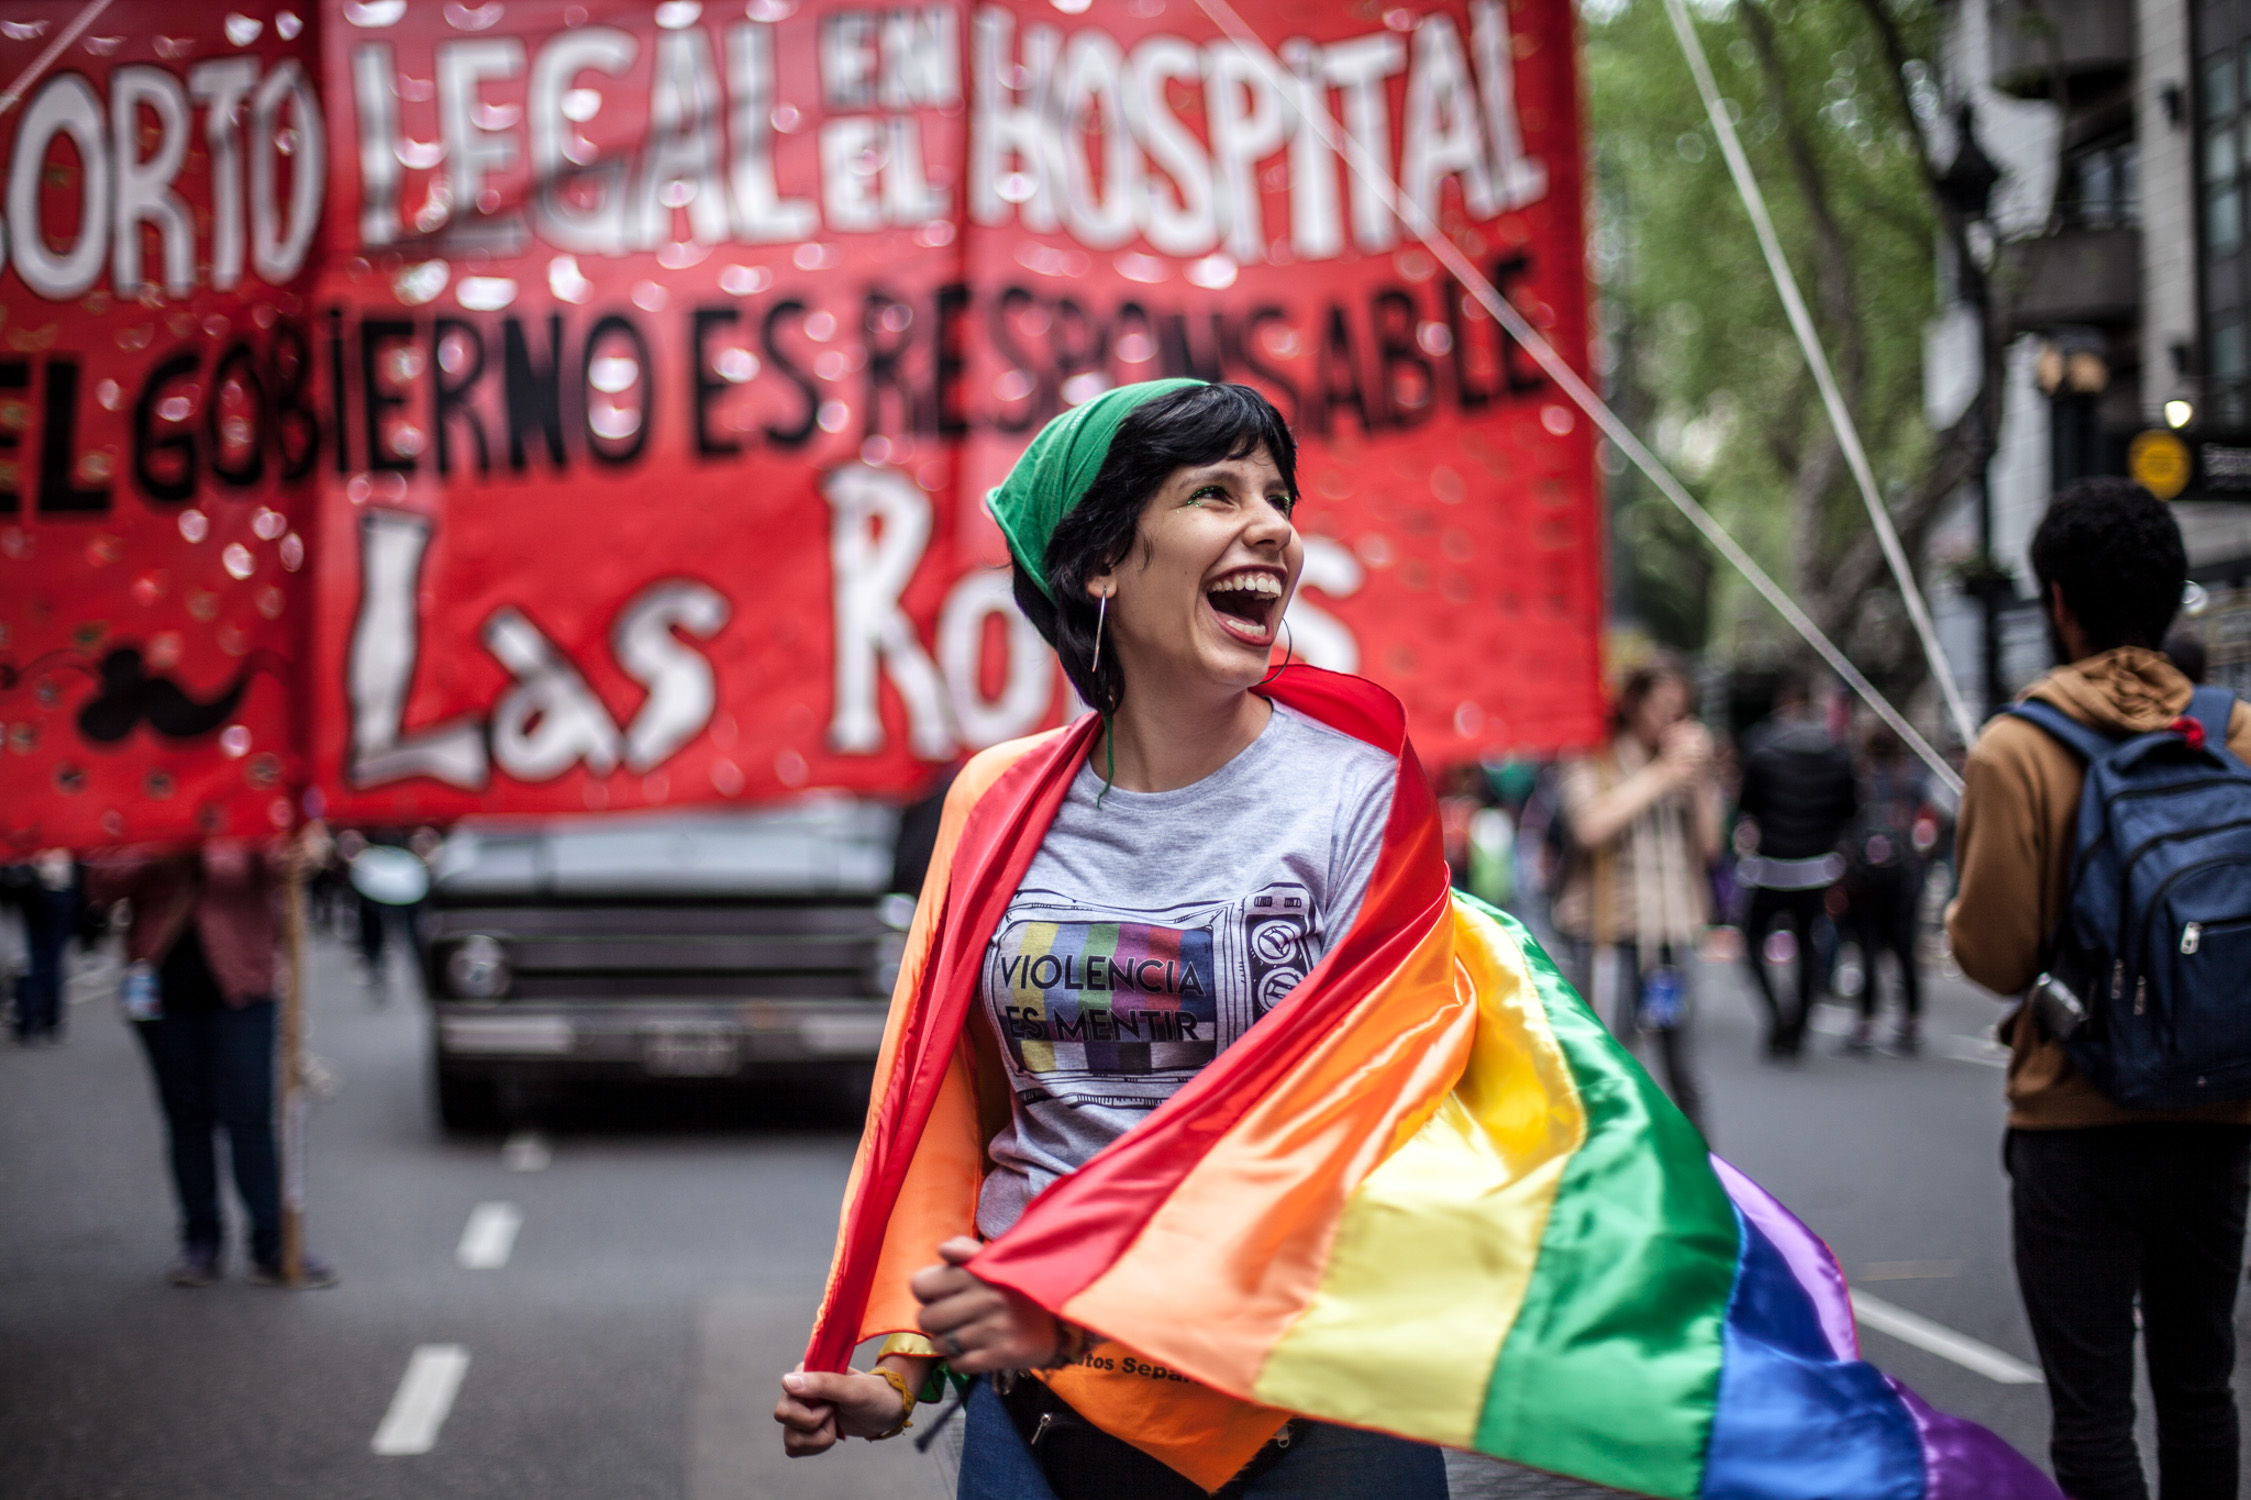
{"x": 1151, "y": 932}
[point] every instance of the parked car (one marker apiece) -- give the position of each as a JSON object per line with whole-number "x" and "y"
{"x": 671, "y": 946}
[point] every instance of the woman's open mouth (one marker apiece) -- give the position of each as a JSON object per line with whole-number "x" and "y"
{"x": 1247, "y": 603}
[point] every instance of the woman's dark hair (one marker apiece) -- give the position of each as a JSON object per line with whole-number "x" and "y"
{"x": 1642, "y": 681}
{"x": 1181, "y": 429}
{"x": 2116, "y": 552}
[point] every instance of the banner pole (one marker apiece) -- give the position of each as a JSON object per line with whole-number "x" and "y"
{"x": 292, "y": 1073}
{"x": 54, "y": 49}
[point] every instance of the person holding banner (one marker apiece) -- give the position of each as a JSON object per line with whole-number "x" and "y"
{"x": 202, "y": 969}
{"x": 1218, "y": 1146}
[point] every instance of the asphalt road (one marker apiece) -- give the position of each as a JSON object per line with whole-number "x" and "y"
{"x": 623, "y": 1339}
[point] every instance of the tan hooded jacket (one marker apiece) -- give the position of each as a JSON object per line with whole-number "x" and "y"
{"x": 2013, "y": 848}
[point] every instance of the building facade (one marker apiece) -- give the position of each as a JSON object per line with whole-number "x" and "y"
{"x": 2117, "y": 252}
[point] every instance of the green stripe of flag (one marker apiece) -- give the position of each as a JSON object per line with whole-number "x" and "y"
{"x": 1611, "y": 1370}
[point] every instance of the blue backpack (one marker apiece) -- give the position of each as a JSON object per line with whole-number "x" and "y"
{"x": 2148, "y": 974}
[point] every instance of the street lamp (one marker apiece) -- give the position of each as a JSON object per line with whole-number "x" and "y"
{"x": 1966, "y": 186}
{"x": 2179, "y": 413}
{"x": 1965, "y": 192}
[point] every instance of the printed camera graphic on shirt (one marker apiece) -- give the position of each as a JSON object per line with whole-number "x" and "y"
{"x": 1106, "y": 997}
{"x": 1276, "y": 923}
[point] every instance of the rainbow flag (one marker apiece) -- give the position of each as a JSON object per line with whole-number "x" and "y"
{"x": 1429, "y": 1194}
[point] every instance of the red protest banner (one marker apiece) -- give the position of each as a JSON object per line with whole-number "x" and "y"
{"x": 578, "y": 541}
{"x": 164, "y": 170}
{"x": 659, "y": 357}
{"x": 673, "y": 348}
{"x": 1191, "y": 220}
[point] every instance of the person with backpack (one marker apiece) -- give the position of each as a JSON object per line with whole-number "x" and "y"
{"x": 2104, "y": 854}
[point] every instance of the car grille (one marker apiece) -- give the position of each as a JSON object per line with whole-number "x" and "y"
{"x": 673, "y": 950}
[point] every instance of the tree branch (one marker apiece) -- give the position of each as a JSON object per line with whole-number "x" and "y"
{"x": 1959, "y": 455}
{"x": 1832, "y": 252}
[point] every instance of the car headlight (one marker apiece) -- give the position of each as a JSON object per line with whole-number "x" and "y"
{"x": 477, "y": 969}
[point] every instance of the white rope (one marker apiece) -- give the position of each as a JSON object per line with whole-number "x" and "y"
{"x": 1378, "y": 178}
{"x": 46, "y": 59}
{"x": 1817, "y": 359}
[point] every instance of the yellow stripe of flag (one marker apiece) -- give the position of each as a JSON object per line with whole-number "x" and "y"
{"x": 1401, "y": 1280}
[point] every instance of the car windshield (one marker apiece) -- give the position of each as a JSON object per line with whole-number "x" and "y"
{"x": 807, "y": 849}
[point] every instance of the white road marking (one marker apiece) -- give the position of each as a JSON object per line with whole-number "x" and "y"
{"x": 96, "y": 975}
{"x": 526, "y": 1151}
{"x": 1970, "y": 1049}
{"x": 1936, "y": 1338}
{"x": 1909, "y": 1270}
{"x": 424, "y": 1396}
{"x": 489, "y": 1236}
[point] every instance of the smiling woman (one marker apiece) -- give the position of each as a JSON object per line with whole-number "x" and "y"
{"x": 1178, "y": 545}
{"x": 1154, "y": 549}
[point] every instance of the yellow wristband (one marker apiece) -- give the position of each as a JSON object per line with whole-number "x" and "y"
{"x": 906, "y": 1397}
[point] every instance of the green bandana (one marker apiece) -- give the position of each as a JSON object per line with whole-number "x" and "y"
{"x": 1056, "y": 471}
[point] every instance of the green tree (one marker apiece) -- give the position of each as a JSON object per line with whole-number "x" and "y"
{"x": 1831, "y": 98}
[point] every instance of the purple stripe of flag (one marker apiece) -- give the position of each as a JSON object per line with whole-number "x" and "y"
{"x": 1961, "y": 1460}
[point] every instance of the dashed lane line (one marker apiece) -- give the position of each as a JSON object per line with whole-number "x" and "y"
{"x": 424, "y": 1397}
{"x": 489, "y": 1237}
{"x": 1909, "y": 1270}
{"x": 1938, "y": 1339}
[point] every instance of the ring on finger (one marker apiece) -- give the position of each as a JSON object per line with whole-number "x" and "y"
{"x": 954, "y": 1349}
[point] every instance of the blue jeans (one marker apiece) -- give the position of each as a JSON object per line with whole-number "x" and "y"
{"x": 1578, "y": 958}
{"x": 1323, "y": 1462}
{"x": 215, "y": 1069}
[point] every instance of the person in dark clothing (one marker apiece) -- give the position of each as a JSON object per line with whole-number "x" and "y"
{"x": 48, "y": 892}
{"x": 374, "y": 917}
{"x": 1884, "y": 886}
{"x": 375, "y": 922}
{"x": 213, "y": 1065}
{"x": 1798, "y": 794}
{"x": 381, "y": 909}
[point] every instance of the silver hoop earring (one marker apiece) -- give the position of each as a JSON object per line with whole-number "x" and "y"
{"x": 1101, "y": 613}
{"x": 1289, "y": 650}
